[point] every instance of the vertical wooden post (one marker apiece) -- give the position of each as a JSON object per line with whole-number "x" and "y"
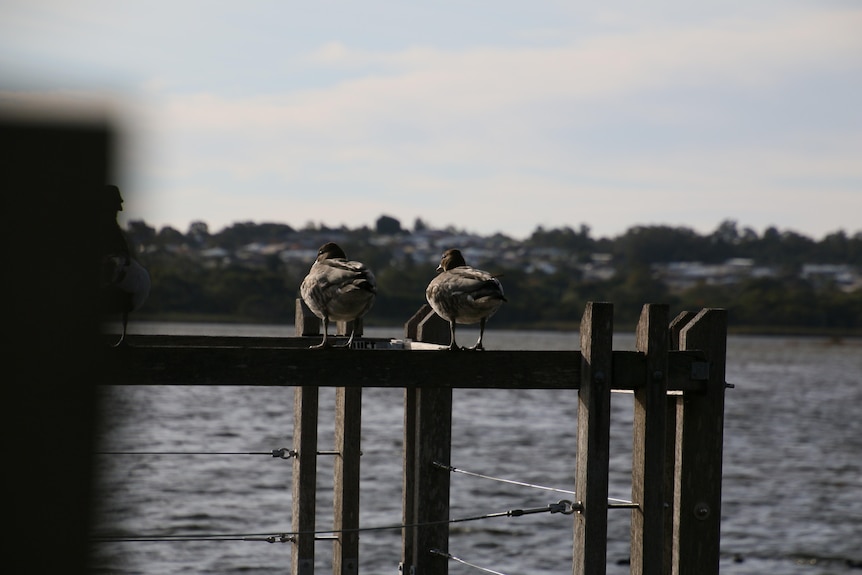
{"x": 700, "y": 437}
{"x": 408, "y": 491}
{"x": 426, "y": 326}
{"x": 411, "y": 324}
{"x": 594, "y": 411}
{"x": 670, "y": 488}
{"x": 305, "y": 408}
{"x": 679, "y": 322}
{"x": 305, "y": 322}
{"x": 432, "y": 442}
{"x": 434, "y": 329}
{"x": 427, "y": 438}
{"x": 344, "y": 328}
{"x": 648, "y": 447}
{"x": 348, "y": 429}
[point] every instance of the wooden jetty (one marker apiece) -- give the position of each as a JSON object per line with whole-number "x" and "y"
{"x": 677, "y": 375}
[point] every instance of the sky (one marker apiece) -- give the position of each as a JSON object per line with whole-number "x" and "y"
{"x": 489, "y": 116}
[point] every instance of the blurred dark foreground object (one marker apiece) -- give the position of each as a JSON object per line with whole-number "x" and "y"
{"x": 51, "y": 173}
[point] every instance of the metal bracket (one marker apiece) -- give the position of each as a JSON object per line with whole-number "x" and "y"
{"x": 700, "y": 371}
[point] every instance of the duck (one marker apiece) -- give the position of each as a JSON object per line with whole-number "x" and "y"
{"x": 124, "y": 282}
{"x": 337, "y": 289}
{"x": 463, "y": 294}
{"x": 125, "y": 288}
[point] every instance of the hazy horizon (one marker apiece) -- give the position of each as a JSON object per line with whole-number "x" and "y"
{"x": 409, "y": 227}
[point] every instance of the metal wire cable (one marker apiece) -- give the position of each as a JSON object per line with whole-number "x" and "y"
{"x": 564, "y": 507}
{"x": 269, "y": 538}
{"x": 272, "y": 453}
{"x": 283, "y": 453}
{"x": 613, "y": 501}
{"x": 467, "y": 563}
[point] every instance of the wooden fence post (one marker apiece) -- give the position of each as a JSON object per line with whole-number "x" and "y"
{"x": 305, "y": 411}
{"x": 649, "y": 443}
{"x": 594, "y": 410}
{"x": 426, "y": 326}
{"x": 348, "y": 430}
{"x": 679, "y": 322}
{"x": 699, "y": 439}
{"x": 670, "y": 489}
{"x": 408, "y": 487}
{"x": 343, "y": 328}
{"x": 412, "y": 324}
{"x": 305, "y": 322}
{"x": 433, "y": 443}
{"x": 427, "y": 439}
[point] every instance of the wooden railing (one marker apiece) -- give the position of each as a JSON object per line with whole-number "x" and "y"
{"x": 676, "y": 374}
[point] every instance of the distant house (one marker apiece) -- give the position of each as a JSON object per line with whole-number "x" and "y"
{"x": 681, "y": 276}
{"x": 844, "y": 276}
{"x": 215, "y": 257}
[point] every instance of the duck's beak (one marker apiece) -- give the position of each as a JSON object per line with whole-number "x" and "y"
{"x": 439, "y": 269}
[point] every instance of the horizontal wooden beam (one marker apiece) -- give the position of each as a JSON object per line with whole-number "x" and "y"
{"x": 180, "y": 360}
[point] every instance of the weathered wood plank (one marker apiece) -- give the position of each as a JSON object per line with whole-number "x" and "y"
{"x": 433, "y": 329}
{"x": 263, "y": 363}
{"x": 433, "y": 443}
{"x": 408, "y": 487}
{"x": 245, "y": 341}
{"x": 305, "y": 410}
{"x": 306, "y": 322}
{"x": 648, "y": 445}
{"x": 340, "y": 367}
{"x": 676, "y": 325}
{"x": 593, "y": 447}
{"x": 673, "y": 404}
{"x": 700, "y": 437}
{"x": 682, "y": 456}
{"x": 348, "y": 430}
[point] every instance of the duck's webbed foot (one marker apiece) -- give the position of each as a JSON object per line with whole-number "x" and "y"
{"x": 325, "y": 343}
{"x": 453, "y": 346}
{"x": 122, "y": 341}
{"x": 349, "y": 341}
{"x": 478, "y": 346}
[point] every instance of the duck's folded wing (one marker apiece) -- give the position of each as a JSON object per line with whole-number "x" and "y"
{"x": 343, "y": 273}
{"x": 475, "y": 282}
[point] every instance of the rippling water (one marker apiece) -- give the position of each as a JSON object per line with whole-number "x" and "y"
{"x": 792, "y": 492}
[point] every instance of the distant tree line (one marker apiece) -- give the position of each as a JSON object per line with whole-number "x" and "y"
{"x": 187, "y": 285}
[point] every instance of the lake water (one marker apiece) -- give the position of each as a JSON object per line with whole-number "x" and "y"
{"x": 792, "y": 491}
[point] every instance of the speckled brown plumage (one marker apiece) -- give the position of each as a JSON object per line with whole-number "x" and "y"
{"x": 337, "y": 289}
{"x": 463, "y": 294}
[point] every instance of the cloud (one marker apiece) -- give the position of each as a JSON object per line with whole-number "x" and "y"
{"x": 438, "y": 102}
{"x": 585, "y": 122}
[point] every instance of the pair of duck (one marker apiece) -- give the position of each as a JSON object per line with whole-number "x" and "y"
{"x": 337, "y": 289}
